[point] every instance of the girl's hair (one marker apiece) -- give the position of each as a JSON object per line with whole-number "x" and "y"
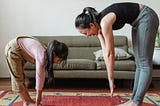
{"x": 89, "y": 15}
{"x": 54, "y": 48}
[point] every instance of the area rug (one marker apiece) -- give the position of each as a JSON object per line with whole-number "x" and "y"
{"x": 8, "y": 98}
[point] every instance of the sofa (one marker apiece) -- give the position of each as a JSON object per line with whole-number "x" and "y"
{"x": 83, "y": 63}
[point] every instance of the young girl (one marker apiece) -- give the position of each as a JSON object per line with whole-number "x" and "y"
{"x": 144, "y": 22}
{"x": 26, "y": 48}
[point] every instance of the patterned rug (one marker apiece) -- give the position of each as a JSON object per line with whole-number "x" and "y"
{"x": 8, "y": 98}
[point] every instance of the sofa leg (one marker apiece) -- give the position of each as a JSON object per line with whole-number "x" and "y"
{"x": 122, "y": 83}
{"x": 30, "y": 82}
{"x": 151, "y": 85}
{"x": 132, "y": 84}
{"x": 51, "y": 85}
{"x": 119, "y": 83}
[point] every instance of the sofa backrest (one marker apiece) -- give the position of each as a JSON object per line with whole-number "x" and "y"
{"x": 81, "y": 47}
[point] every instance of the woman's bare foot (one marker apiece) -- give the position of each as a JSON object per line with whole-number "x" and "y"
{"x": 126, "y": 103}
{"x": 132, "y": 104}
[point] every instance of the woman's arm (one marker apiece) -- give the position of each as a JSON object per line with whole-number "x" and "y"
{"x": 102, "y": 42}
{"x": 107, "y": 33}
{"x": 101, "y": 39}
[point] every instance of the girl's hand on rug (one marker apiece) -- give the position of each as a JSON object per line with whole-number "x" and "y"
{"x": 39, "y": 104}
{"x": 38, "y": 97}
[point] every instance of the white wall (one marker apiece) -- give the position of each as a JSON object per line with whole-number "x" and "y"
{"x": 47, "y": 17}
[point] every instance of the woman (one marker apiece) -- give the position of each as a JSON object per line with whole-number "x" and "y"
{"x": 25, "y": 48}
{"x": 144, "y": 22}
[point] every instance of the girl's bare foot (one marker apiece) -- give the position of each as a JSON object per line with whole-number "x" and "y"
{"x": 29, "y": 103}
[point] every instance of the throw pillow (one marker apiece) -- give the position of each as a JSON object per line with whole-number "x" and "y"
{"x": 120, "y": 54}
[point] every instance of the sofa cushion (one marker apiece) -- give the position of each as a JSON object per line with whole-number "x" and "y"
{"x": 120, "y": 54}
{"x": 82, "y": 52}
{"x": 78, "y": 64}
{"x": 121, "y": 65}
{"x": 29, "y": 66}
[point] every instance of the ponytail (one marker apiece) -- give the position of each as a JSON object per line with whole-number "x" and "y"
{"x": 89, "y": 15}
{"x": 49, "y": 63}
{"x": 92, "y": 13}
{"x": 54, "y": 48}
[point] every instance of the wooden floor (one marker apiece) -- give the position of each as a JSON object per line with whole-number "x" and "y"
{"x": 95, "y": 85}
{"x": 5, "y": 83}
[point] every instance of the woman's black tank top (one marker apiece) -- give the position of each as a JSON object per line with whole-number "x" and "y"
{"x": 125, "y": 13}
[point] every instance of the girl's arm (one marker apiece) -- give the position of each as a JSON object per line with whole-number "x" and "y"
{"x": 40, "y": 76}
